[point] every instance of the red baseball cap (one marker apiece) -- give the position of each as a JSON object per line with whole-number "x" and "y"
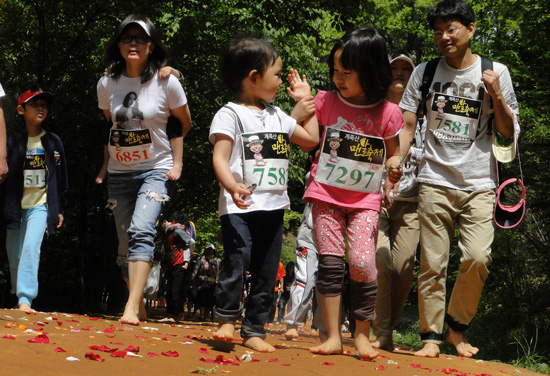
{"x": 509, "y": 216}
{"x": 30, "y": 94}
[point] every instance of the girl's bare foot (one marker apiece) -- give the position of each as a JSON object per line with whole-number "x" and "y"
{"x": 430, "y": 350}
{"x": 330, "y": 346}
{"x": 291, "y": 333}
{"x": 225, "y": 332}
{"x": 25, "y": 307}
{"x": 258, "y": 344}
{"x": 363, "y": 346}
{"x": 383, "y": 343}
{"x": 459, "y": 341}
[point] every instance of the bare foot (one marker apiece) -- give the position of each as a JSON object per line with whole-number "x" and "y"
{"x": 25, "y": 307}
{"x": 258, "y": 344}
{"x": 430, "y": 350}
{"x": 225, "y": 332}
{"x": 363, "y": 346}
{"x": 291, "y": 334}
{"x": 142, "y": 314}
{"x": 383, "y": 343}
{"x": 323, "y": 336}
{"x": 168, "y": 319}
{"x": 330, "y": 346}
{"x": 459, "y": 341}
{"x": 129, "y": 317}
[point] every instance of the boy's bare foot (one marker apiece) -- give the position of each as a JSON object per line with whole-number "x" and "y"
{"x": 430, "y": 350}
{"x": 225, "y": 332}
{"x": 330, "y": 346}
{"x": 291, "y": 334}
{"x": 383, "y": 343}
{"x": 25, "y": 307}
{"x": 459, "y": 341}
{"x": 363, "y": 346}
{"x": 258, "y": 344}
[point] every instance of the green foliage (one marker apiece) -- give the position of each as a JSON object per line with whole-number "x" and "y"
{"x": 59, "y": 45}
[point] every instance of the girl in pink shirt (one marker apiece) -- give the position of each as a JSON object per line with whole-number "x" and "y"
{"x": 345, "y": 189}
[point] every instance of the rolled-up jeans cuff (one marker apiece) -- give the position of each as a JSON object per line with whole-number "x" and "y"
{"x": 248, "y": 331}
{"x": 226, "y": 316}
{"x": 146, "y": 257}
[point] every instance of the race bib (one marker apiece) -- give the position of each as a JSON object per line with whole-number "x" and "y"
{"x": 34, "y": 171}
{"x": 131, "y": 147}
{"x": 265, "y": 158}
{"x": 351, "y": 161}
{"x": 454, "y": 119}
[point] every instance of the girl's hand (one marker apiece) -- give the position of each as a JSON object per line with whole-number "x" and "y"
{"x": 239, "y": 193}
{"x": 299, "y": 87}
{"x": 59, "y": 220}
{"x": 101, "y": 175}
{"x": 394, "y": 173}
{"x": 303, "y": 108}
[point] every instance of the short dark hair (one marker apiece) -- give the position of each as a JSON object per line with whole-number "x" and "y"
{"x": 115, "y": 62}
{"x": 243, "y": 55}
{"x": 180, "y": 218}
{"x": 364, "y": 51}
{"x": 452, "y": 10}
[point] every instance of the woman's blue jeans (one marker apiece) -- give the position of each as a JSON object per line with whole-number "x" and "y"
{"x": 136, "y": 199}
{"x": 251, "y": 241}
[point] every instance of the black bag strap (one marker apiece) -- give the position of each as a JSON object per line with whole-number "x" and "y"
{"x": 427, "y": 79}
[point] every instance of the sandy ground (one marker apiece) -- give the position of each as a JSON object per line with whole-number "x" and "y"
{"x": 69, "y": 344}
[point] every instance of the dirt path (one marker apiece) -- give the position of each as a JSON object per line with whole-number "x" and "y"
{"x": 63, "y": 344}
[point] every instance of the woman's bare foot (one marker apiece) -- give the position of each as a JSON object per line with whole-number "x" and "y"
{"x": 25, "y": 307}
{"x": 330, "y": 346}
{"x": 430, "y": 350}
{"x": 383, "y": 343}
{"x": 225, "y": 332}
{"x": 129, "y": 317}
{"x": 258, "y": 344}
{"x": 323, "y": 336}
{"x": 459, "y": 341}
{"x": 291, "y": 334}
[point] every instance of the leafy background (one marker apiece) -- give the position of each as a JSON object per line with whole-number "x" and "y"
{"x": 59, "y": 45}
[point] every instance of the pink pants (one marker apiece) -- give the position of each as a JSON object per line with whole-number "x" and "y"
{"x": 332, "y": 222}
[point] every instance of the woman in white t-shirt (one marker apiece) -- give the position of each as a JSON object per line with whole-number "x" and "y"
{"x": 141, "y": 159}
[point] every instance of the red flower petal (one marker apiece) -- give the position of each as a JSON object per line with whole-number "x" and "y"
{"x": 42, "y": 338}
{"x": 272, "y": 360}
{"x": 204, "y": 351}
{"x": 415, "y": 365}
{"x": 59, "y": 349}
{"x": 118, "y": 354}
{"x": 380, "y": 368}
{"x": 151, "y": 354}
{"x": 132, "y": 349}
{"x": 93, "y": 356}
{"x": 327, "y": 364}
{"x": 172, "y": 354}
{"x": 9, "y": 336}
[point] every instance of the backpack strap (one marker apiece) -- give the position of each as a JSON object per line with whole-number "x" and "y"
{"x": 427, "y": 79}
{"x": 487, "y": 63}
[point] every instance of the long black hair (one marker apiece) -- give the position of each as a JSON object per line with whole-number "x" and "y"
{"x": 115, "y": 62}
{"x": 364, "y": 51}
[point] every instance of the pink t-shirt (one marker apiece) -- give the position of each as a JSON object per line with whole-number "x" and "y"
{"x": 383, "y": 119}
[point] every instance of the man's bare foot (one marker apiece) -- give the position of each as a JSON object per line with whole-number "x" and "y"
{"x": 258, "y": 344}
{"x": 291, "y": 334}
{"x": 430, "y": 350}
{"x": 383, "y": 343}
{"x": 225, "y": 332}
{"x": 323, "y": 336}
{"x": 330, "y": 346}
{"x": 459, "y": 341}
{"x": 25, "y": 307}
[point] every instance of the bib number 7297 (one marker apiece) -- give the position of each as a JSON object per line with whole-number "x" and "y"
{"x": 354, "y": 177}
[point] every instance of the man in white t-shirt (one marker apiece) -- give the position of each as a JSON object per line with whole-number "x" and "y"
{"x": 458, "y": 174}
{"x": 3, "y": 162}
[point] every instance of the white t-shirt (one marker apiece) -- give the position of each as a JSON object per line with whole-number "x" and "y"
{"x": 137, "y": 106}
{"x": 225, "y": 122}
{"x": 2, "y": 93}
{"x": 462, "y": 160}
